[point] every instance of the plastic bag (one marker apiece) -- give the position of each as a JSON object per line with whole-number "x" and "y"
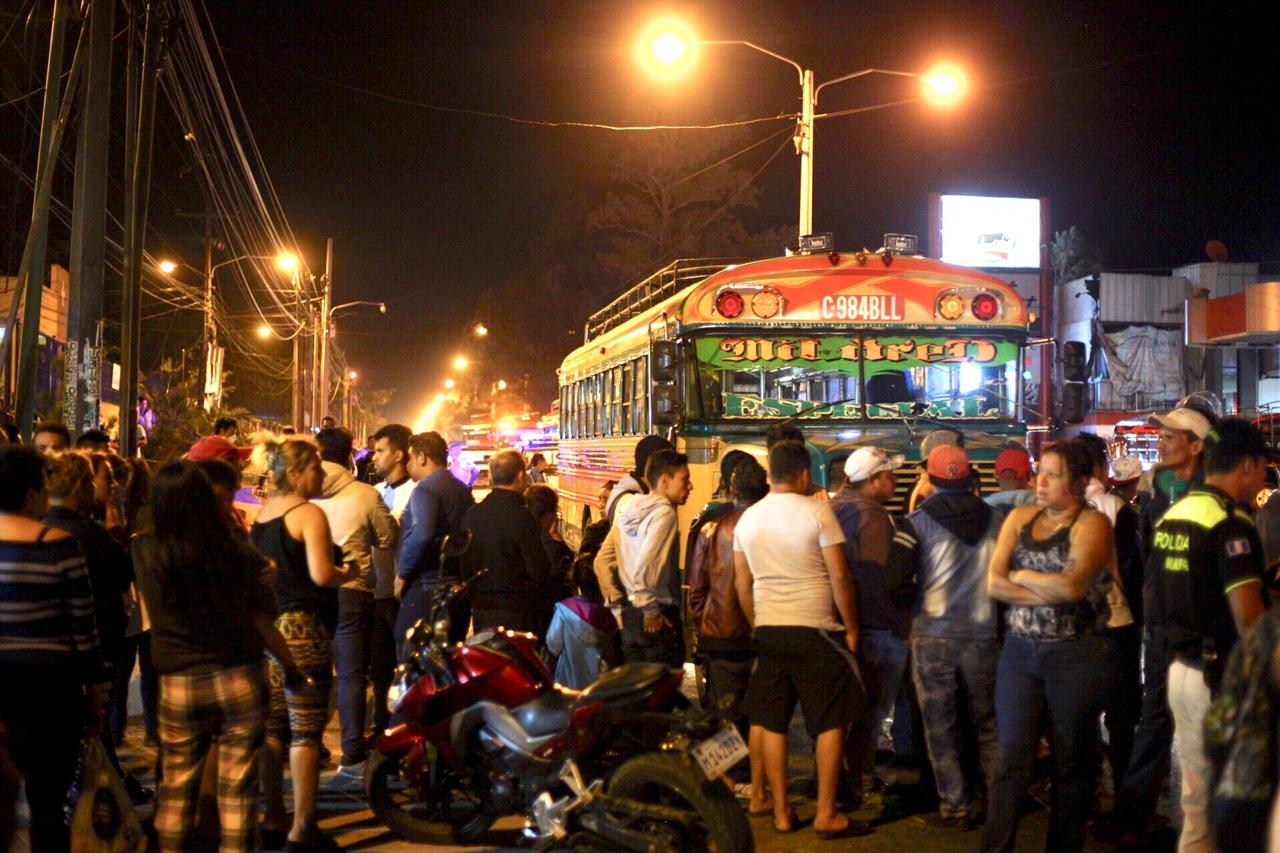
{"x": 102, "y": 819}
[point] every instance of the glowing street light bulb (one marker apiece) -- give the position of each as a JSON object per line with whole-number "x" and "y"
{"x": 287, "y": 261}
{"x": 352, "y": 375}
{"x": 460, "y": 363}
{"x": 440, "y": 397}
{"x": 502, "y": 384}
{"x": 449, "y": 383}
{"x": 944, "y": 86}
{"x": 480, "y": 330}
{"x": 669, "y": 48}
{"x": 264, "y": 331}
{"x": 167, "y": 267}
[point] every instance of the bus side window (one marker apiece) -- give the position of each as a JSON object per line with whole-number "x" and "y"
{"x": 616, "y": 426}
{"x": 626, "y": 425}
{"x": 564, "y": 412}
{"x": 640, "y": 410}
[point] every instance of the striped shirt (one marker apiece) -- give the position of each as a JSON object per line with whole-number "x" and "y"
{"x": 46, "y": 607}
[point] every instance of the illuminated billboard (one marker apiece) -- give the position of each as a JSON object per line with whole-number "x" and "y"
{"x": 989, "y": 232}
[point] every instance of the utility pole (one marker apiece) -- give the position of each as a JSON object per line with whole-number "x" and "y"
{"x": 32, "y": 269}
{"x": 139, "y": 182}
{"x": 295, "y": 416}
{"x": 88, "y": 227}
{"x": 322, "y": 374}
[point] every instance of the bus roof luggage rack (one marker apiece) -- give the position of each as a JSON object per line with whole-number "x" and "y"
{"x": 664, "y": 283}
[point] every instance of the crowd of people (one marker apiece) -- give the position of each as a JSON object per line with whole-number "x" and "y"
{"x": 1074, "y": 609}
{"x": 1083, "y": 605}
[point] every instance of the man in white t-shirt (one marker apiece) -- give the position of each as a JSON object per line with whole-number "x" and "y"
{"x": 390, "y": 458}
{"x": 794, "y": 583}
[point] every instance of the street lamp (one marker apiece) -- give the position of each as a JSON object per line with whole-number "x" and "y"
{"x": 346, "y": 398}
{"x": 264, "y": 331}
{"x": 449, "y": 383}
{"x": 480, "y": 330}
{"x": 671, "y": 48}
{"x": 460, "y": 362}
{"x": 285, "y": 261}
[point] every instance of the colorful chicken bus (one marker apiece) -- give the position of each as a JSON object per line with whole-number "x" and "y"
{"x": 855, "y": 349}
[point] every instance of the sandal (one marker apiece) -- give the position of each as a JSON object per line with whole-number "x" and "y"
{"x": 796, "y": 825}
{"x": 851, "y": 829}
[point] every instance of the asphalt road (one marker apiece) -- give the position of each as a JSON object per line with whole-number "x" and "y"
{"x": 344, "y": 814}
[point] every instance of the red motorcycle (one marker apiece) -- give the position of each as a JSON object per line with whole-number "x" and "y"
{"x": 480, "y": 731}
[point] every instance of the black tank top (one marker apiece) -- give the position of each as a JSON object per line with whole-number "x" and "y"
{"x": 1065, "y": 621}
{"x": 294, "y": 588}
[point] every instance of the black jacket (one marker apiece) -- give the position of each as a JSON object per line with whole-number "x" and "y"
{"x": 507, "y": 542}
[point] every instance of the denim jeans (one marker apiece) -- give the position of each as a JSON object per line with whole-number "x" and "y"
{"x": 1149, "y": 761}
{"x": 944, "y": 670}
{"x": 727, "y": 674}
{"x": 351, "y": 645}
{"x": 382, "y": 657}
{"x": 1124, "y": 705}
{"x": 1068, "y": 680}
{"x": 884, "y": 659}
{"x": 665, "y": 645}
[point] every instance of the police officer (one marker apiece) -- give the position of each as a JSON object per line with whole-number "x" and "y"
{"x": 1207, "y": 569}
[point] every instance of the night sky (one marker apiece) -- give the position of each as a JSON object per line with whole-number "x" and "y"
{"x": 1144, "y": 124}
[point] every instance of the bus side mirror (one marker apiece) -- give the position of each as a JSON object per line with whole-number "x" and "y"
{"x": 1073, "y": 362}
{"x": 663, "y": 365}
{"x": 666, "y": 405}
{"x": 1074, "y": 403}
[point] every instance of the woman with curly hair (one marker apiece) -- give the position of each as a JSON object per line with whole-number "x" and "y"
{"x": 294, "y": 534}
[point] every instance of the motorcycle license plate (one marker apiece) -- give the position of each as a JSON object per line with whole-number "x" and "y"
{"x": 718, "y": 753}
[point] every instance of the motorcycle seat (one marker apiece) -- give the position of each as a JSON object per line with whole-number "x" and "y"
{"x": 624, "y": 680}
{"x": 546, "y": 715}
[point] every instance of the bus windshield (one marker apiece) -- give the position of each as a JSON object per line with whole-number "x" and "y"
{"x": 862, "y": 377}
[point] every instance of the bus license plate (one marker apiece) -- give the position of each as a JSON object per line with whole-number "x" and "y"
{"x": 717, "y": 754}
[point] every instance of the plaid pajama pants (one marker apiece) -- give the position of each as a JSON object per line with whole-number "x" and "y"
{"x": 231, "y": 706}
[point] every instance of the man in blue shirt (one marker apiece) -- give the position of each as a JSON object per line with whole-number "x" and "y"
{"x": 435, "y": 510}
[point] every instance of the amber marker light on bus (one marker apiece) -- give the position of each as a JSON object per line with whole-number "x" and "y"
{"x": 985, "y": 306}
{"x": 950, "y": 306}
{"x": 729, "y": 304}
{"x": 766, "y": 304}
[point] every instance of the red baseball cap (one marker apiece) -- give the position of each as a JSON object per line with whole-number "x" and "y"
{"x": 948, "y": 463}
{"x": 217, "y": 447}
{"x": 1013, "y": 463}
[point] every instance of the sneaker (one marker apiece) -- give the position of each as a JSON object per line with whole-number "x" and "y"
{"x": 355, "y": 770}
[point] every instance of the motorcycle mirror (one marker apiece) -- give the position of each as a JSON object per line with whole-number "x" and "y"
{"x": 455, "y": 544}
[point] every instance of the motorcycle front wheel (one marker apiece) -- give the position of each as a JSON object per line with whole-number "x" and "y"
{"x": 669, "y": 779}
{"x": 440, "y": 816}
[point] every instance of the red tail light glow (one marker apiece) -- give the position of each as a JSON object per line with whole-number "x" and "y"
{"x": 729, "y": 304}
{"x": 984, "y": 306}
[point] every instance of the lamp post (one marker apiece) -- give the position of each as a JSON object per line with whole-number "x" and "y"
{"x": 326, "y": 317}
{"x": 674, "y": 52}
{"x": 350, "y": 377}
{"x": 285, "y": 261}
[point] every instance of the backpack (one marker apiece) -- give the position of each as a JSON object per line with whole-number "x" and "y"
{"x": 1239, "y": 741}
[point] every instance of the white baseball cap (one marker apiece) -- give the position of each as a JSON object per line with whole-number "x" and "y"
{"x": 866, "y": 462}
{"x": 1185, "y": 419}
